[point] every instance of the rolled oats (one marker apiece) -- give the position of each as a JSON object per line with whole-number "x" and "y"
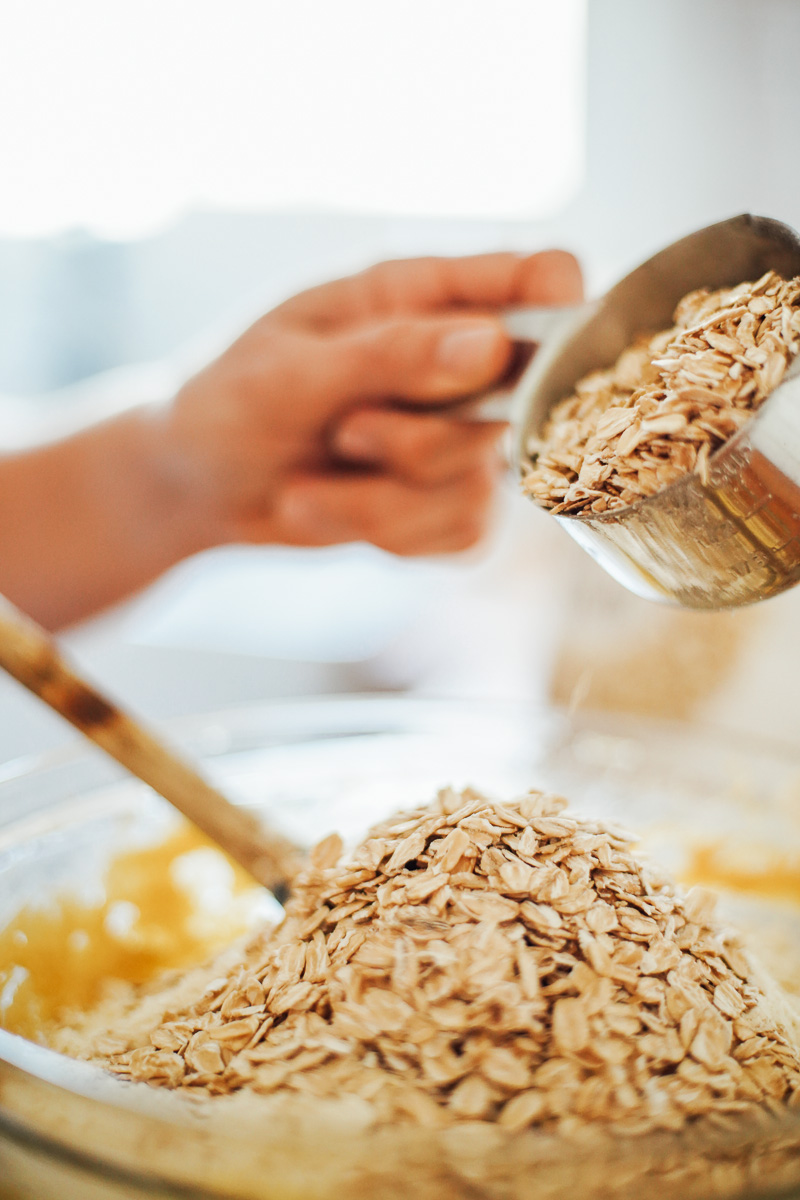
{"x": 574, "y": 986}
{"x": 669, "y": 401}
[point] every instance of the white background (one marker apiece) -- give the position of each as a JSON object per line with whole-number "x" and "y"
{"x": 126, "y": 114}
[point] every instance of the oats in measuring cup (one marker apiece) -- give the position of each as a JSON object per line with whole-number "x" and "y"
{"x": 670, "y": 400}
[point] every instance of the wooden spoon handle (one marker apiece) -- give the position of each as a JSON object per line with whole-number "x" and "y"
{"x": 32, "y": 658}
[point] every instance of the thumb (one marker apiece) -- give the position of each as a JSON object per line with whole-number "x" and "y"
{"x": 418, "y": 358}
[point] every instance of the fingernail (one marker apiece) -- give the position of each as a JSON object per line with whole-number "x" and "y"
{"x": 468, "y": 348}
{"x": 354, "y": 442}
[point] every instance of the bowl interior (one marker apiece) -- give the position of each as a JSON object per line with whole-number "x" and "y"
{"x": 711, "y": 808}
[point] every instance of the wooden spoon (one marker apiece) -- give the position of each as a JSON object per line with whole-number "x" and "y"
{"x": 32, "y": 657}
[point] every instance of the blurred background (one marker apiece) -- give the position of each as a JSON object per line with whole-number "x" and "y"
{"x": 173, "y": 168}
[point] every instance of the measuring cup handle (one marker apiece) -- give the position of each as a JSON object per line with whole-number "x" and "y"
{"x": 528, "y": 328}
{"x": 537, "y": 324}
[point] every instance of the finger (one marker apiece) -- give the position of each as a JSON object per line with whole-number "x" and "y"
{"x": 421, "y": 448}
{"x": 408, "y": 358}
{"x": 328, "y": 509}
{"x": 418, "y": 285}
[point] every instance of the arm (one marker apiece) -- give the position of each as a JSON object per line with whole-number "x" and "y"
{"x": 309, "y": 430}
{"x": 90, "y": 519}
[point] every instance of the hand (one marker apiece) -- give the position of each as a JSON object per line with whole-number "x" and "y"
{"x": 311, "y": 429}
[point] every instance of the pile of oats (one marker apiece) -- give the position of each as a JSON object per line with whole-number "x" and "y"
{"x": 474, "y": 961}
{"x": 670, "y": 400}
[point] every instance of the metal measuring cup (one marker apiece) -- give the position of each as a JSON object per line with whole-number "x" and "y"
{"x": 735, "y": 538}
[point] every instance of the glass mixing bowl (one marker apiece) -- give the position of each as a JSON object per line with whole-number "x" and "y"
{"x": 704, "y": 802}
